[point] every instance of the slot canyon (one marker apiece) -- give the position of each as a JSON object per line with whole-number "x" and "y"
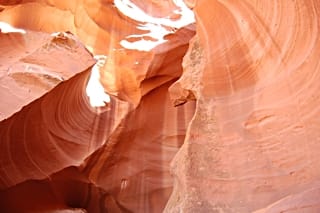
{"x": 160, "y": 106}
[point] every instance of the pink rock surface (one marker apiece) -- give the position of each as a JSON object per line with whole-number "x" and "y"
{"x": 214, "y": 116}
{"x": 122, "y": 150}
{"x": 32, "y": 63}
{"x": 253, "y": 142}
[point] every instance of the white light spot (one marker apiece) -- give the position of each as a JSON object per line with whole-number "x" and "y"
{"x": 95, "y": 90}
{"x": 90, "y": 48}
{"x": 124, "y": 184}
{"x": 7, "y": 28}
{"x": 55, "y": 34}
{"x": 157, "y": 27}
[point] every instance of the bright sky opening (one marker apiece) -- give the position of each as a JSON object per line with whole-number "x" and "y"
{"x": 7, "y": 28}
{"x": 155, "y": 26}
{"x": 95, "y": 90}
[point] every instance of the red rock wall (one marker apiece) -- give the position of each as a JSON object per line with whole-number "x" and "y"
{"x": 77, "y": 157}
{"x": 253, "y": 144}
{"x": 249, "y": 143}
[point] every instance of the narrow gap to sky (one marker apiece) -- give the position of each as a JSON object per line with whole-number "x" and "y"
{"x": 155, "y": 27}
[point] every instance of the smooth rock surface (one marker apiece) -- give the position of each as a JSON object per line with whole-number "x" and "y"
{"x": 216, "y": 114}
{"x": 77, "y": 157}
{"x": 32, "y": 63}
{"x": 253, "y": 143}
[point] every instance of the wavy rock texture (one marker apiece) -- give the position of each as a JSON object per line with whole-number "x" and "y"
{"x": 32, "y": 63}
{"x": 253, "y": 143}
{"x": 75, "y": 157}
{"x": 248, "y": 144}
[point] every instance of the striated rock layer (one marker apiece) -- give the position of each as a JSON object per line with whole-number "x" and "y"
{"x": 249, "y": 143}
{"x": 32, "y": 63}
{"x": 253, "y": 143}
{"x": 113, "y": 156}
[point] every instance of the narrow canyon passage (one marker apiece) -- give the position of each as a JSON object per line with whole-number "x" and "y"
{"x": 73, "y": 147}
{"x": 159, "y": 106}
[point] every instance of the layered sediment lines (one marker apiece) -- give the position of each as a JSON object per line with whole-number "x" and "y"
{"x": 253, "y": 142}
{"x": 78, "y": 157}
{"x": 217, "y": 116}
{"x": 32, "y": 63}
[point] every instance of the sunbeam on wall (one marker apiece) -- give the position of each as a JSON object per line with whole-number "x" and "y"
{"x": 94, "y": 90}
